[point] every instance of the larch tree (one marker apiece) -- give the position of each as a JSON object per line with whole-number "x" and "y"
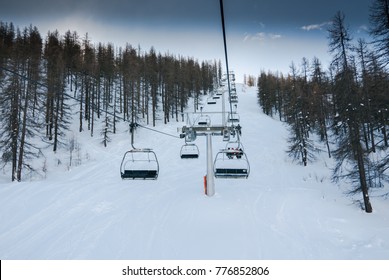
{"x": 348, "y": 107}
{"x": 57, "y": 109}
{"x": 379, "y": 60}
{"x": 19, "y": 87}
{"x": 379, "y": 20}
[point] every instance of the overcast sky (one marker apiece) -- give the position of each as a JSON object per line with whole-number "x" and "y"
{"x": 261, "y": 34}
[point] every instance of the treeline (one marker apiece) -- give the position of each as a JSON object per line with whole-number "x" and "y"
{"x": 43, "y": 80}
{"x": 345, "y": 107}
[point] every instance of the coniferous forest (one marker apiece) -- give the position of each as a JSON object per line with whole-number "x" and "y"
{"x": 344, "y": 110}
{"x": 42, "y": 78}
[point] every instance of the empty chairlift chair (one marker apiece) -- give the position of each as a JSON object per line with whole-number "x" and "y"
{"x": 139, "y": 164}
{"x": 211, "y": 101}
{"x": 204, "y": 120}
{"x": 233, "y": 117}
{"x": 189, "y": 151}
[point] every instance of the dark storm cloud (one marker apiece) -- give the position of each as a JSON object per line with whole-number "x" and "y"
{"x": 22, "y": 8}
{"x": 266, "y": 34}
{"x": 144, "y": 11}
{"x": 197, "y": 12}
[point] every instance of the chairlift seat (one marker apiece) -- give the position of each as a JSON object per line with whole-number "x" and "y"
{"x": 231, "y": 173}
{"x": 140, "y": 174}
{"x": 189, "y": 156}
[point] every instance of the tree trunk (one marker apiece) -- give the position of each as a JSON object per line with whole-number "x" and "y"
{"x": 15, "y": 132}
{"x": 361, "y": 167}
{"x": 23, "y": 138}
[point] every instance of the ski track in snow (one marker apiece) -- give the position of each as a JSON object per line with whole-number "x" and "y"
{"x": 282, "y": 211}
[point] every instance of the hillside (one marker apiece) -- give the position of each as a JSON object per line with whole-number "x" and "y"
{"x": 282, "y": 211}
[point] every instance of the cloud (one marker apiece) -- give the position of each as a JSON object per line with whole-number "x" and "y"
{"x": 260, "y": 24}
{"x": 318, "y": 26}
{"x": 261, "y": 36}
{"x": 363, "y": 29}
{"x": 275, "y": 36}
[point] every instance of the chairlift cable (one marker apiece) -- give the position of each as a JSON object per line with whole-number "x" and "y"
{"x": 226, "y": 52}
{"x": 158, "y": 131}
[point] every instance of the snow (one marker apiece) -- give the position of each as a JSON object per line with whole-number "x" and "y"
{"x": 282, "y": 211}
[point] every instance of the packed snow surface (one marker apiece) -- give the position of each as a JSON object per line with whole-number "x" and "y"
{"x": 282, "y": 211}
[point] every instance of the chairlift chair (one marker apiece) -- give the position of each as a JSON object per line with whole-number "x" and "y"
{"x": 139, "y": 164}
{"x": 204, "y": 120}
{"x": 233, "y": 117}
{"x": 234, "y": 99}
{"x": 211, "y": 101}
{"x": 189, "y": 151}
{"x": 234, "y": 145}
{"x": 190, "y": 135}
{"x": 227, "y": 166}
{"x": 226, "y": 134}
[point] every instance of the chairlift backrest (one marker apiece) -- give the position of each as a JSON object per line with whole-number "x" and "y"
{"x": 234, "y": 143}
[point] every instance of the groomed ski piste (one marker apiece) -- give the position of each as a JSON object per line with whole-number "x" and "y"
{"x": 281, "y": 211}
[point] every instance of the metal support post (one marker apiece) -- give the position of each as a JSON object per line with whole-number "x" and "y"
{"x": 210, "y": 176}
{"x": 223, "y": 109}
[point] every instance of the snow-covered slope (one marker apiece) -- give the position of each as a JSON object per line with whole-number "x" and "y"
{"x": 282, "y": 211}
